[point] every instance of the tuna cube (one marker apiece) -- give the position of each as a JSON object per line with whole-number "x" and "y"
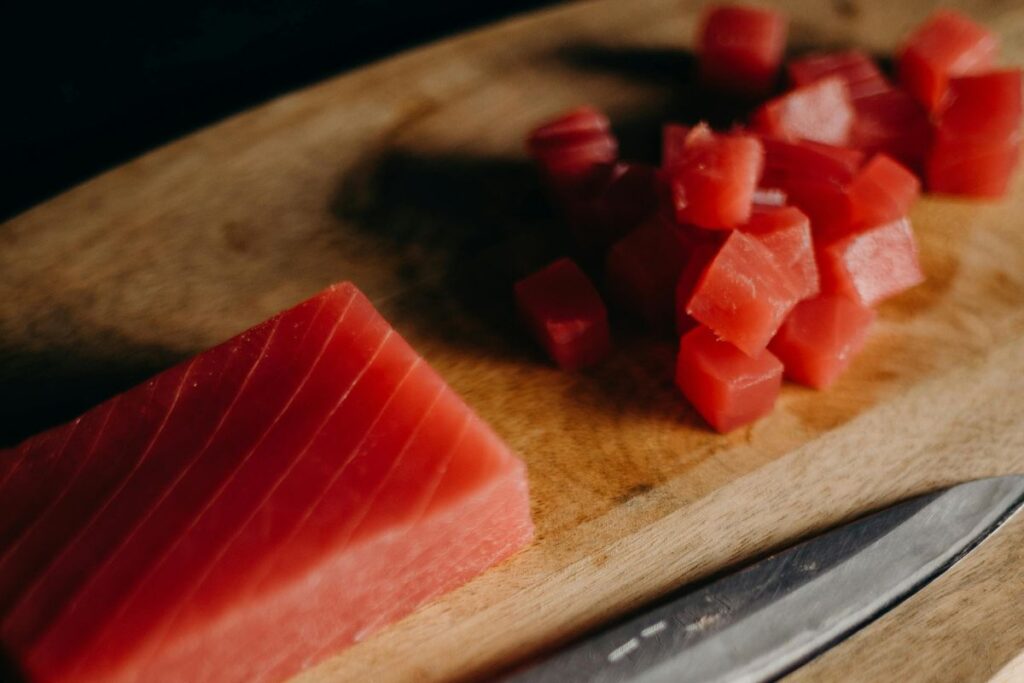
{"x": 881, "y": 192}
{"x": 711, "y": 182}
{"x": 744, "y": 294}
{"x": 565, "y": 314}
{"x": 786, "y": 231}
{"x": 727, "y": 387}
{"x": 740, "y": 48}
{"x": 642, "y": 270}
{"x": 820, "y": 338}
{"x": 820, "y": 112}
{"x": 948, "y": 44}
{"x": 872, "y": 264}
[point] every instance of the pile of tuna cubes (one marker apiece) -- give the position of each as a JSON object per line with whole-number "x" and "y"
{"x": 766, "y": 247}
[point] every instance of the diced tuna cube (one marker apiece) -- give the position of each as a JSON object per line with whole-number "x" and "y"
{"x": 872, "y": 264}
{"x": 698, "y": 258}
{"x": 628, "y": 196}
{"x": 573, "y": 148}
{"x": 814, "y": 177}
{"x": 820, "y": 338}
{"x": 642, "y": 270}
{"x": 565, "y": 314}
{"x": 859, "y": 71}
{"x": 977, "y": 135}
{"x": 784, "y": 160}
{"x": 711, "y": 184}
{"x": 744, "y": 295}
{"x": 893, "y": 122}
{"x": 673, "y": 142}
{"x": 727, "y": 387}
{"x": 786, "y": 231}
{"x": 982, "y": 171}
{"x": 740, "y": 48}
{"x": 982, "y": 108}
{"x": 947, "y": 44}
{"x": 883, "y": 191}
{"x": 886, "y": 118}
{"x": 819, "y": 112}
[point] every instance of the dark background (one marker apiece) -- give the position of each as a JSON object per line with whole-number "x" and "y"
{"x": 87, "y": 86}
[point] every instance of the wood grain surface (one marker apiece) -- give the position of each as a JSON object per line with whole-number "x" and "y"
{"x": 408, "y": 177}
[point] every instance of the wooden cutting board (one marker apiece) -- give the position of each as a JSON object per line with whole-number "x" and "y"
{"x": 408, "y": 177}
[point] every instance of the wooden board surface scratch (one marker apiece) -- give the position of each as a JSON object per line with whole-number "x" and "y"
{"x": 408, "y": 177}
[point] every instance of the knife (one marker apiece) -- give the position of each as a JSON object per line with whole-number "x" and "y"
{"x": 765, "y": 620}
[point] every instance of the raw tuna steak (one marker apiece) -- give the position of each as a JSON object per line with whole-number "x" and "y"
{"x": 253, "y": 509}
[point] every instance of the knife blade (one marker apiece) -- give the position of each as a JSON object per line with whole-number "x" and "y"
{"x": 767, "y": 619}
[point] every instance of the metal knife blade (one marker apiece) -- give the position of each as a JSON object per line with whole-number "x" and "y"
{"x": 765, "y": 620}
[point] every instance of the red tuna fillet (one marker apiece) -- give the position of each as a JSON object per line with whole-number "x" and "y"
{"x": 253, "y": 509}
